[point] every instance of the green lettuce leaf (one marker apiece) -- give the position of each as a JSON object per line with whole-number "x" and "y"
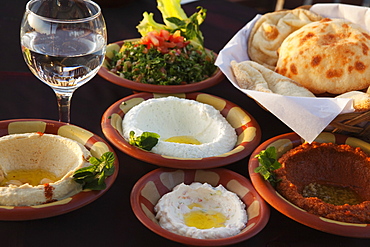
{"x": 174, "y": 19}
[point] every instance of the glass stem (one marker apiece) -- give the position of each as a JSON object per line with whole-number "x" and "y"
{"x": 64, "y": 105}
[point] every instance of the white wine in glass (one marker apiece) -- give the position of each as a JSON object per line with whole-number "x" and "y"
{"x": 63, "y": 43}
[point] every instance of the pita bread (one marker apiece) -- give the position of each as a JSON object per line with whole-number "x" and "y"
{"x": 329, "y": 56}
{"x": 253, "y": 76}
{"x": 271, "y": 29}
{"x": 361, "y": 100}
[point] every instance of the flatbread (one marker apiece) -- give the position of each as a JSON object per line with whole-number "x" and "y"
{"x": 361, "y": 100}
{"x": 253, "y": 76}
{"x": 271, "y": 29}
{"x": 329, "y": 56}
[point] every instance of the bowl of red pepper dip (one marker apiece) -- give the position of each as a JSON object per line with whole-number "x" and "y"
{"x": 109, "y": 74}
{"x": 323, "y": 185}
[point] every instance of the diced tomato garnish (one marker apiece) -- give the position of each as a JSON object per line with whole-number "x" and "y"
{"x": 165, "y": 34}
{"x": 163, "y": 40}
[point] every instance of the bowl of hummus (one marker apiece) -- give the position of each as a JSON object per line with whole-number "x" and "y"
{"x": 38, "y": 161}
{"x": 190, "y": 131}
{"x": 322, "y": 184}
{"x": 213, "y": 207}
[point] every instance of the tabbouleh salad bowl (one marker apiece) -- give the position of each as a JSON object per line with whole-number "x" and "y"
{"x": 284, "y": 143}
{"x": 247, "y": 130}
{"x": 104, "y": 72}
{"x": 148, "y": 190}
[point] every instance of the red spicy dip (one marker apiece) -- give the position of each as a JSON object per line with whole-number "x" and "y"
{"x": 328, "y": 180}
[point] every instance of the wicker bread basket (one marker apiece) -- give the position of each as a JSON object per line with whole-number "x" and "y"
{"x": 356, "y": 124}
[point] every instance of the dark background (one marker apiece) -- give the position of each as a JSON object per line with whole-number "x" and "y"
{"x": 122, "y": 17}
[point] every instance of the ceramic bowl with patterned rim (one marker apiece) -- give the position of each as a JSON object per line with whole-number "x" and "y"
{"x": 152, "y": 186}
{"x": 96, "y": 145}
{"x": 248, "y": 131}
{"x": 283, "y": 143}
{"x": 104, "y": 72}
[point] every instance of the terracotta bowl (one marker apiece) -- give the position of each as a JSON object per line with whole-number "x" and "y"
{"x": 148, "y": 190}
{"x": 217, "y": 77}
{"x": 248, "y": 131}
{"x": 96, "y": 145}
{"x": 283, "y": 143}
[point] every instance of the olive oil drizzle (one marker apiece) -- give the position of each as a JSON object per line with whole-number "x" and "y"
{"x": 336, "y": 195}
{"x": 31, "y": 176}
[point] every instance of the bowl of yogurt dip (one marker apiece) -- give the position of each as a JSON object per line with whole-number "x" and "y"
{"x": 193, "y": 130}
{"x": 212, "y": 207}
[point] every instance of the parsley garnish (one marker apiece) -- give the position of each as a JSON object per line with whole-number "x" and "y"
{"x": 146, "y": 141}
{"x": 93, "y": 177}
{"x": 268, "y": 163}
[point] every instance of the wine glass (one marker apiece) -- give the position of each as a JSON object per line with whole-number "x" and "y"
{"x": 63, "y": 43}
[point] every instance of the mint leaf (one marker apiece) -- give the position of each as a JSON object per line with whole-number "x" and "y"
{"x": 146, "y": 141}
{"x": 263, "y": 171}
{"x": 93, "y": 177}
{"x": 268, "y": 163}
{"x": 176, "y": 21}
{"x": 94, "y": 185}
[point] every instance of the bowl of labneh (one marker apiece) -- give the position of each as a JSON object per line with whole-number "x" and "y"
{"x": 187, "y": 131}
{"x": 212, "y": 207}
{"x": 38, "y": 162}
{"x": 323, "y": 184}
{"x": 162, "y": 83}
